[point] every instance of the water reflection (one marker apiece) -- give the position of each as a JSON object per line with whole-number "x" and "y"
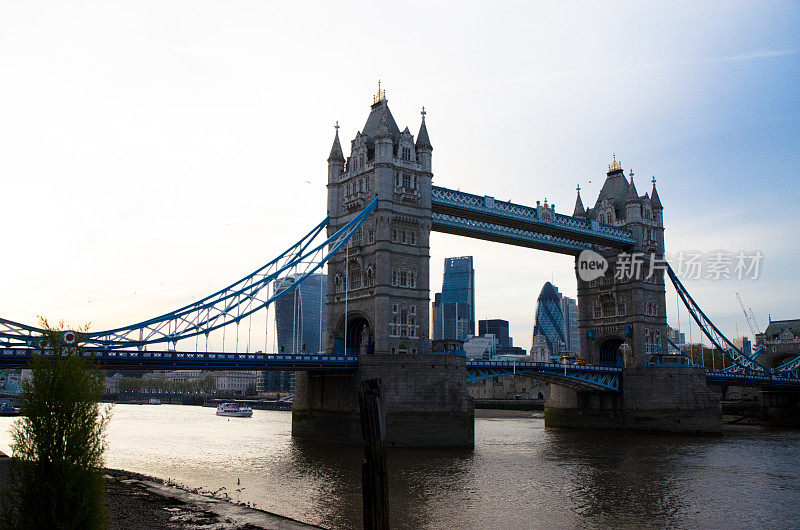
{"x": 336, "y": 472}
{"x": 520, "y": 475}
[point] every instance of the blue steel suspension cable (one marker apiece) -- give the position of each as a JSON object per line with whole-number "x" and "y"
{"x": 242, "y": 295}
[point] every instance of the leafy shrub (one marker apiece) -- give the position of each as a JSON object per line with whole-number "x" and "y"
{"x": 56, "y": 476}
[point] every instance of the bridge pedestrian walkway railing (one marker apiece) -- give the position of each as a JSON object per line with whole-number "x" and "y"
{"x": 765, "y": 380}
{"x": 580, "y": 377}
{"x": 131, "y": 359}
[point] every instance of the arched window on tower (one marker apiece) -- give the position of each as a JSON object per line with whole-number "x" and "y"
{"x": 354, "y": 275}
{"x": 621, "y": 309}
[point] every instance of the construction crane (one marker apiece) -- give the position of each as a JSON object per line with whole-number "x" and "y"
{"x": 751, "y": 318}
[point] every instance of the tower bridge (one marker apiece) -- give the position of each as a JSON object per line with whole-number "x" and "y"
{"x": 382, "y": 206}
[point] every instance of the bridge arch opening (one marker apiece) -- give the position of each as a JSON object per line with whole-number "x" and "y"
{"x": 356, "y": 338}
{"x": 614, "y": 351}
{"x": 780, "y": 359}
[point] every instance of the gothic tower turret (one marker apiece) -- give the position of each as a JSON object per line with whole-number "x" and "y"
{"x": 655, "y": 204}
{"x": 579, "y": 211}
{"x": 423, "y": 146}
{"x": 633, "y": 210}
{"x": 335, "y": 169}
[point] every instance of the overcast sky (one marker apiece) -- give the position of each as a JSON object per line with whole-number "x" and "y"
{"x": 151, "y": 152}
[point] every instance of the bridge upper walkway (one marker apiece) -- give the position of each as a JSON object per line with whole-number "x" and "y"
{"x": 460, "y": 213}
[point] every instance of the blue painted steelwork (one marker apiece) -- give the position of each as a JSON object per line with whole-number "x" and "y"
{"x": 785, "y": 375}
{"x": 759, "y": 380}
{"x": 607, "y": 378}
{"x": 569, "y": 375}
{"x": 791, "y": 367}
{"x": 227, "y": 306}
{"x": 742, "y": 362}
{"x": 451, "y": 224}
{"x": 683, "y": 354}
{"x": 183, "y": 360}
{"x": 487, "y": 218}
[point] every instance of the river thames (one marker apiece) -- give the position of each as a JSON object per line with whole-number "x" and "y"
{"x": 520, "y": 475}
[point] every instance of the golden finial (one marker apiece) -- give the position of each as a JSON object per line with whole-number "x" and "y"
{"x": 615, "y": 165}
{"x": 545, "y": 202}
{"x": 380, "y": 96}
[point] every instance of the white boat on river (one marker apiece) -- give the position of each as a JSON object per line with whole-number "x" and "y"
{"x": 234, "y": 410}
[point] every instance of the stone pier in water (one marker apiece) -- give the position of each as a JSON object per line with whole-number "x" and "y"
{"x": 425, "y": 397}
{"x": 654, "y": 399}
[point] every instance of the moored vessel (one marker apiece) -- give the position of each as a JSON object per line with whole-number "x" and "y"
{"x": 234, "y": 410}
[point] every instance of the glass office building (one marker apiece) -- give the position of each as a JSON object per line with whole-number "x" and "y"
{"x": 454, "y": 308}
{"x": 569, "y": 310}
{"x": 550, "y": 320}
{"x": 498, "y": 328}
{"x": 299, "y": 316}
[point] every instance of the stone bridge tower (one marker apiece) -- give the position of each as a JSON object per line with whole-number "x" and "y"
{"x": 381, "y": 281}
{"x": 378, "y": 299}
{"x": 622, "y": 322}
{"x": 622, "y": 318}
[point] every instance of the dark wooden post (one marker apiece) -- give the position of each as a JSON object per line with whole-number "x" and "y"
{"x": 374, "y": 476}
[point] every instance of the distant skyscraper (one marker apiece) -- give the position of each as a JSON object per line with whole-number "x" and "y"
{"x": 298, "y": 316}
{"x": 498, "y": 328}
{"x": 680, "y": 338}
{"x": 569, "y": 310}
{"x": 438, "y": 317}
{"x": 454, "y": 307}
{"x": 550, "y": 320}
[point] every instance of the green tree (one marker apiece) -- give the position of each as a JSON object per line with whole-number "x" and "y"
{"x": 56, "y": 477}
{"x": 207, "y": 384}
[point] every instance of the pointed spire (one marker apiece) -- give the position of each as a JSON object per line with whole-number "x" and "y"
{"x": 380, "y": 96}
{"x": 632, "y": 193}
{"x": 422, "y": 137}
{"x": 336, "y": 149}
{"x": 615, "y": 164}
{"x": 655, "y": 201}
{"x": 579, "y": 209}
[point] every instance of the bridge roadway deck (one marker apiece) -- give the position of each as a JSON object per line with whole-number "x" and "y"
{"x": 580, "y": 377}
{"x": 185, "y": 360}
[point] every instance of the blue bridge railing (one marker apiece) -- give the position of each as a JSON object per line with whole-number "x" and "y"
{"x": 182, "y": 360}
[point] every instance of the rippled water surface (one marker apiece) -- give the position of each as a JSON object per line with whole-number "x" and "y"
{"x": 520, "y": 474}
